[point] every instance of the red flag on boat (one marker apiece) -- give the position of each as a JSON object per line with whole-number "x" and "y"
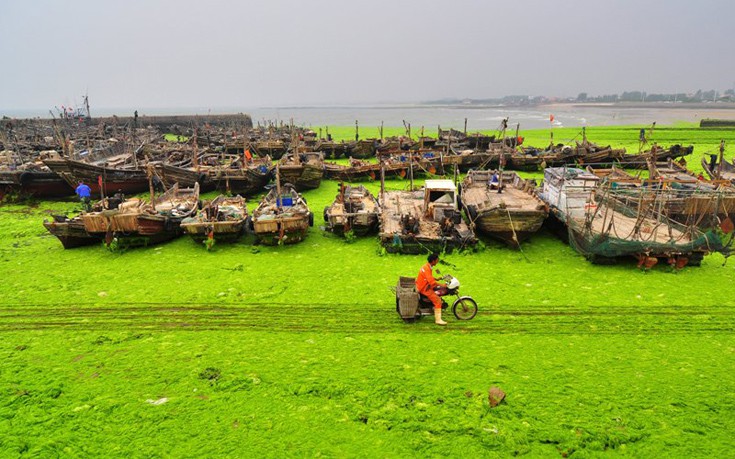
{"x": 551, "y": 118}
{"x": 99, "y": 181}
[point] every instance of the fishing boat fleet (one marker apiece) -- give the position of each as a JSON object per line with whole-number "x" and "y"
{"x": 608, "y": 204}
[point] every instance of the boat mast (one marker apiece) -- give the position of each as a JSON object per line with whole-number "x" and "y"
{"x": 501, "y": 160}
{"x": 278, "y": 185}
{"x": 382, "y": 180}
{"x": 86, "y": 106}
{"x": 150, "y": 186}
{"x": 196, "y": 150}
{"x": 722, "y": 154}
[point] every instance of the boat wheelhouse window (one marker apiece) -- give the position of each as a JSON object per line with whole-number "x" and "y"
{"x": 443, "y": 197}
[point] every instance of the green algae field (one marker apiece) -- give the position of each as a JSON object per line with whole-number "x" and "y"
{"x": 253, "y": 351}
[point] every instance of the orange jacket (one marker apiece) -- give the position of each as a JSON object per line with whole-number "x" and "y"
{"x": 425, "y": 281}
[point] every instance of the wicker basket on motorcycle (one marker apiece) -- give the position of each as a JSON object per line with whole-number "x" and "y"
{"x": 408, "y": 298}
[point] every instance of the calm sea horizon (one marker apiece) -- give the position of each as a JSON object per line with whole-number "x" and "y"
{"x": 432, "y": 116}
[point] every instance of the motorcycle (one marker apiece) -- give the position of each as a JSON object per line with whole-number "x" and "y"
{"x": 411, "y": 305}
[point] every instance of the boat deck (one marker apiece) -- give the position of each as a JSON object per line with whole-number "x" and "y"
{"x": 512, "y": 198}
{"x": 398, "y": 203}
{"x": 621, "y": 226}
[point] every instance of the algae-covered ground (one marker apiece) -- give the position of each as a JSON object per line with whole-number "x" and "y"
{"x": 252, "y": 351}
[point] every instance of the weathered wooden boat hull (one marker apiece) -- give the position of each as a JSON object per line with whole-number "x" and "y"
{"x": 354, "y": 209}
{"x": 512, "y": 231}
{"x": 71, "y": 232}
{"x": 129, "y": 181}
{"x": 244, "y": 182}
{"x": 359, "y": 226}
{"x": 221, "y": 231}
{"x": 333, "y": 149}
{"x": 184, "y": 176}
{"x": 728, "y": 171}
{"x": 224, "y": 220}
{"x": 363, "y": 149}
{"x": 274, "y": 149}
{"x": 281, "y": 230}
{"x": 364, "y": 173}
{"x": 302, "y": 177}
{"x": 415, "y": 246}
{"x": 510, "y": 216}
{"x": 34, "y": 183}
{"x": 640, "y": 161}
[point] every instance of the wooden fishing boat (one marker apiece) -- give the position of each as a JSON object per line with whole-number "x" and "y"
{"x": 282, "y": 217}
{"x": 136, "y": 222}
{"x": 602, "y": 227}
{"x": 35, "y": 181}
{"x": 184, "y": 170}
{"x": 354, "y": 209}
{"x": 332, "y": 149}
{"x": 679, "y": 193}
{"x": 71, "y": 231}
{"x": 223, "y": 220}
{"x": 242, "y": 177}
{"x": 275, "y": 148}
{"x": 425, "y": 220}
{"x": 509, "y": 210}
{"x": 304, "y": 170}
{"x": 722, "y": 170}
{"x": 108, "y": 174}
{"x": 359, "y": 170}
{"x": 655, "y": 154}
{"x": 364, "y": 148}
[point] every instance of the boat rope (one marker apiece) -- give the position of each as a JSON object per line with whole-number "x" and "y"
{"x": 515, "y": 236}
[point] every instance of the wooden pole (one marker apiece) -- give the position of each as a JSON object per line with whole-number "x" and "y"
{"x": 382, "y": 180}
{"x": 465, "y": 127}
{"x": 150, "y": 186}
{"x": 410, "y": 169}
{"x": 278, "y": 186}
{"x": 196, "y": 150}
{"x": 357, "y": 131}
{"x": 722, "y": 154}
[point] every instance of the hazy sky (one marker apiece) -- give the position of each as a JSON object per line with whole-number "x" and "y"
{"x": 209, "y": 53}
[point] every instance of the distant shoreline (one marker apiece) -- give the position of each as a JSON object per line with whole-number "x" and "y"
{"x": 658, "y": 105}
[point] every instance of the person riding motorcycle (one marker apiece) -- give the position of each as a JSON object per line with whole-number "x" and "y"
{"x": 426, "y": 285}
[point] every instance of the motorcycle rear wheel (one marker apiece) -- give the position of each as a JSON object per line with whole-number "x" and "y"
{"x": 465, "y": 308}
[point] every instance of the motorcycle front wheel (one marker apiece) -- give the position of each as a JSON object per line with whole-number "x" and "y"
{"x": 465, "y": 308}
